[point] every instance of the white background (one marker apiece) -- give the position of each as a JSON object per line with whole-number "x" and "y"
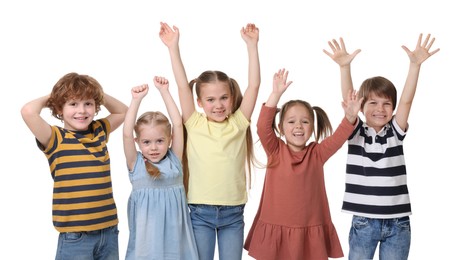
{"x": 117, "y": 43}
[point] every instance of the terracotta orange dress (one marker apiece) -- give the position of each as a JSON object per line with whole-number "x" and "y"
{"x": 293, "y": 221}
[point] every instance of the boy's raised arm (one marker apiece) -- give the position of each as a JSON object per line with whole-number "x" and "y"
{"x": 417, "y": 57}
{"x": 343, "y": 59}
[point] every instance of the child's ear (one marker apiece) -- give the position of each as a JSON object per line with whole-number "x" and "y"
{"x": 199, "y": 102}
{"x": 170, "y": 143}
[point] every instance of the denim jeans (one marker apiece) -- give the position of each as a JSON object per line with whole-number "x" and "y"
{"x": 224, "y": 222}
{"x": 99, "y": 244}
{"x": 393, "y": 236}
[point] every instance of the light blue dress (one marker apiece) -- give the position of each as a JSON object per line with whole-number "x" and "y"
{"x": 158, "y": 215}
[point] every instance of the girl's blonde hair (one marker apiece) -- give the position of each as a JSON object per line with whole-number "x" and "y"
{"x": 154, "y": 118}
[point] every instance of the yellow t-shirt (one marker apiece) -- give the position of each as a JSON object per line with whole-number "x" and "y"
{"x": 217, "y": 160}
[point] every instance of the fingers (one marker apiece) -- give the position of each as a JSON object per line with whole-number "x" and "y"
{"x": 343, "y": 46}
{"x": 280, "y": 74}
{"x": 335, "y": 46}
{"x": 161, "y": 80}
{"x": 427, "y": 44}
{"x": 166, "y": 29}
{"x": 250, "y": 27}
{"x": 140, "y": 88}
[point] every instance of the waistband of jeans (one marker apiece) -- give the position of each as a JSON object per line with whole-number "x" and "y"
{"x": 94, "y": 232}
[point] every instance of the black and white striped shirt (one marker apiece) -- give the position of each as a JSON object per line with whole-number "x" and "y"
{"x": 376, "y": 173}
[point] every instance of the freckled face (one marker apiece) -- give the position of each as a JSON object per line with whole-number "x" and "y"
{"x": 297, "y": 127}
{"x": 216, "y": 101}
{"x": 378, "y": 111}
{"x": 78, "y": 114}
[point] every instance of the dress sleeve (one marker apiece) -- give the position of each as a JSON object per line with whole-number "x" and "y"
{"x": 333, "y": 143}
{"x": 265, "y": 131}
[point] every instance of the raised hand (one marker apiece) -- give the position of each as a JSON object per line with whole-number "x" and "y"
{"x": 280, "y": 83}
{"x": 139, "y": 92}
{"x": 340, "y": 55}
{"x": 422, "y": 51}
{"x": 161, "y": 83}
{"x": 352, "y": 105}
{"x": 168, "y": 35}
{"x": 250, "y": 33}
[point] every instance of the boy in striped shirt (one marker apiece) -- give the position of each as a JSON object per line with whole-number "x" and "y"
{"x": 83, "y": 209}
{"x": 376, "y": 189}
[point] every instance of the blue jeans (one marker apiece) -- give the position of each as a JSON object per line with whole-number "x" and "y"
{"x": 225, "y": 222}
{"x": 393, "y": 236}
{"x": 99, "y": 244}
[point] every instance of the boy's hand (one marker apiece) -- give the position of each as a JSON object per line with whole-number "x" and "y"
{"x": 340, "y": 55}
{"x": 422, "y": 51}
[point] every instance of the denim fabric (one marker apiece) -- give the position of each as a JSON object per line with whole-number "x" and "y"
{"x": 393, "y": 236}
{"x": 224, "y": 222}
{"x": 99, "y": 244}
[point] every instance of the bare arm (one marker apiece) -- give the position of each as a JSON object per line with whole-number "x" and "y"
{"x": 250, "y": 35}
{"x": 130, "y": 151}
{"x": 31, "y": 114}
{"x": 170, "y": 37}
{"x": 280, "y": 85}
{"x": 343, "y": 59}
{"x": 177, "y": 144}
{"x": 117, "y": 111}
{"x": 416, "y": 58}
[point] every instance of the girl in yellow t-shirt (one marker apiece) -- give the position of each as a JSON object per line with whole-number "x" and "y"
{"x": 218, "y": 145}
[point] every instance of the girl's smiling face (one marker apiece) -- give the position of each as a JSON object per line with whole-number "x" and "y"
{"x": 216, "y": 101}
{"x": 297, "y": 126}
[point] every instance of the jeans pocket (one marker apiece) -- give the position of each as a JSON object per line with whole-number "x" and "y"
{"x": 73, "y": 236}
{"x": 193, "y": 207}
{"x": 403, "y": 223}
{"x": 359, "y": 222}
{"x": 115, "y": 230}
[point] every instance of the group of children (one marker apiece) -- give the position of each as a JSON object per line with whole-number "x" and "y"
{"x": 189, "y": 172}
